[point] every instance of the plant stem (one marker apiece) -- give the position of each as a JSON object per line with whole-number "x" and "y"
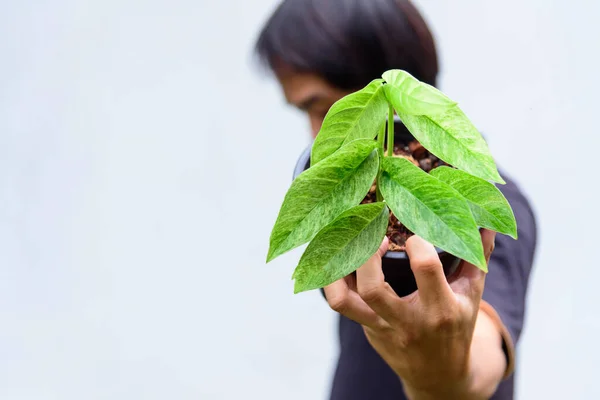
{"x": 381, "y": 141}
{"x": 390, "y": 135}
{"x": 377, "y": 192}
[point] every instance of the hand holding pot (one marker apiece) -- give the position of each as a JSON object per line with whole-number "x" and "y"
{"x": 435, "y": 339}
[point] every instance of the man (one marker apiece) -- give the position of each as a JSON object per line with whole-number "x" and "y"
{"x": 448, "y": 340}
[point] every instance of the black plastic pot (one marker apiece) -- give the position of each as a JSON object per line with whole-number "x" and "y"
{"x": 395, "y": 264}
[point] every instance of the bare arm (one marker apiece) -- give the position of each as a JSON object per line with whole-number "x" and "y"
{"x": 440, "y": 341}
{"x": 487, "y": 366}
{"x": 488, "y": 362}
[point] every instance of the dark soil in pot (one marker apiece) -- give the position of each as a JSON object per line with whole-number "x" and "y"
{"x": 395, "y": 263}
{"x": 418, "y": 155}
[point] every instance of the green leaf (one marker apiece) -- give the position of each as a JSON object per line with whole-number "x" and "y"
{"x": 409, "y": 95}
{"x": 431, "y": 209}
{"x": 488, "y": 205}
{"x": 341, "y": 247}
{"x": 452, "y": 137}
{"x": 323, "y": 192}
{"x": 356, "y": 116}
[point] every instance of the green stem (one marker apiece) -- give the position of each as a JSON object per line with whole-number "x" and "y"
{"x": 381, "y": 141}
{"x": 390, "y": 135}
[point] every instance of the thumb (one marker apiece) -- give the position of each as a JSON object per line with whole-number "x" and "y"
{"x": 370, "y": 273}
{"x": 385, "y": 244}
{"x": 471, "y": 279}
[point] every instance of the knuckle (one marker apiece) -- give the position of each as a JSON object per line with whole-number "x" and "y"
{"x": 426, "y": 263}
{"x": 383, "y": 327}
{"x": 338, "y": 303}
{"x": 408, "y": 339}
{"x": 371, "y": 294}
{"x": 443, "y": 321}
{"x": 380, "y": 329}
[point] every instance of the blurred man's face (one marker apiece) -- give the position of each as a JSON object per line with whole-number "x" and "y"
{"x": 309, "y": 93}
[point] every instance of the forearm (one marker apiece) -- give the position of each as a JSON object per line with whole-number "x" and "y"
{"x": 488, "y": 361}
{"x": 487, "y": 367}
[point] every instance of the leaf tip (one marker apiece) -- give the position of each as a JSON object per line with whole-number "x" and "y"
{"x": 271, "y": 255}
{"x": 299, "y": 287}
{"x": 512, "y": 230}
{"x": 483, "y": 267}
{"x": 498, "y": 179}
{"x": 481, "y": 262}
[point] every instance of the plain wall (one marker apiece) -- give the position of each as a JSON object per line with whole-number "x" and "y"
{"x": 143, "y": 159}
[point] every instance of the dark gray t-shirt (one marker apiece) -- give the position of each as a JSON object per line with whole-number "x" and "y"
{"x": 362, "y": 375}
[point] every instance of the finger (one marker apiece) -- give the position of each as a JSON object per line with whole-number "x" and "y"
{"x": 374, "y": 290}
{"x": 351, "y": 281}
{"x": 471, "y": 280}
{"x": 428, "y": 271}
{"x": 348, "y": 303}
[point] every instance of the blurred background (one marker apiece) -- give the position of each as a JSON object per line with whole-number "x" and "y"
{"x": 143, "y": 159}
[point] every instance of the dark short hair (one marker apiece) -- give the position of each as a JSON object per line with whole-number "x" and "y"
{"x": 349, "y": 42}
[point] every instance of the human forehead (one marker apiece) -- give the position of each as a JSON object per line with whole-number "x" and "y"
{"x": 299, "y": 88}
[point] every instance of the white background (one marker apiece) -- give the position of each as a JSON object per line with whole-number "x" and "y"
{"x": 143, "y": 160}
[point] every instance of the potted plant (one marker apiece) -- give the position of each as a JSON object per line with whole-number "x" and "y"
{"x": 363, "y": 180}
